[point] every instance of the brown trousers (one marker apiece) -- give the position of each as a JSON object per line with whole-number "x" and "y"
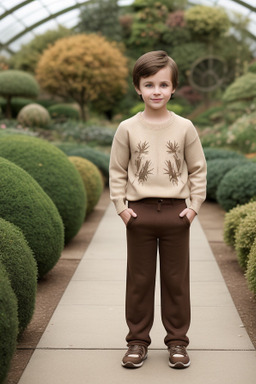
{"x": 158, "y": 226}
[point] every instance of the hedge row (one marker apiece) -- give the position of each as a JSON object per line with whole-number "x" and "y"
{"x": 231, "y": 178}
{"x": 43, "y": 196}
{"x": 240, "y": 233}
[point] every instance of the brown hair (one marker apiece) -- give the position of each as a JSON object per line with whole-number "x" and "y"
{"x": 150, "y": 63}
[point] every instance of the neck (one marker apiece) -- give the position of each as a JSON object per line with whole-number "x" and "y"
{"x": 158, "y": 116}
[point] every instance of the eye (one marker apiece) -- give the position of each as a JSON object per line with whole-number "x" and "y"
{"x": 148, "y": 85}
{"x": 164, "y": 85}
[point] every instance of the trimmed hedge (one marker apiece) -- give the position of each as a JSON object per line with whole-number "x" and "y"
{"x": 100, "y": 159}
{"x": 220, "y": 153}
{"x": 51, "y": 168}
{"x": 216, "y": 170}
{"x": 244, "y": 238}
{"x": 34, "y": 115}
{"x": 20, "y": 265}
{"x": 238, "y": 186}
{"x": 251, "y": 268}
{"x": 8, "y": 323}
{"x": 233, "y": 219}
{"x": 63, "y": 112}
{"x": 92, "y": 179}
{"x": 24, "y": 203}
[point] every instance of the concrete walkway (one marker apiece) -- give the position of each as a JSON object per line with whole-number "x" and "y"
{"x": 84, "y": 341}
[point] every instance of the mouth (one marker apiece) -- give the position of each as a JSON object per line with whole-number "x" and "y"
{"x": 156, "y": 100}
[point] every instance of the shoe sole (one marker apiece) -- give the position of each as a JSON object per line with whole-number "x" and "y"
{"x": 132, "y": 365}
{"x": 179, "y": 365}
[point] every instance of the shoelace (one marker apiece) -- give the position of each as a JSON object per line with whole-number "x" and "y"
{"x": 135, "y": 350}
{"x": 178, "y": 350}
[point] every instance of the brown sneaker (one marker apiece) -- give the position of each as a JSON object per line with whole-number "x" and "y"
{"x": 135, "y": 356}
{"x": 178, "y": 357}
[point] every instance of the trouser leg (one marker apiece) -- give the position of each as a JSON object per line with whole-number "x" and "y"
{"x": 141, "y": 270}
{"x": 174, "y": 273}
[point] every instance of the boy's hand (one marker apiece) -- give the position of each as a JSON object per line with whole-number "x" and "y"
{"x": 189, "y": 213}
{"x": 126, "y": 215}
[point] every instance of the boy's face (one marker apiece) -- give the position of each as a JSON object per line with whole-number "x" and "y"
{"x": 156, "y": 90}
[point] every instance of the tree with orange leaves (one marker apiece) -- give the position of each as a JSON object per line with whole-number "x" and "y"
{"x": 86, "y": 68}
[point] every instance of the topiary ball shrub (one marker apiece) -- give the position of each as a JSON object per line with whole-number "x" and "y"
{"x": 51, "y": 168}
{"x": 100, "y": 159}
{"x": 238, "y": 186}
{"x": 20, "y": 265}
{"x": 233, "y": 219}
{"x": 216, "y": 170}
{"x": 24, "y": 203}
{"x": 8, "y": 323}
{"x": 34, "y": 115}
{"x": 92, "y": 180}
{"x": 244, "y": 238}
{"x": 220, "y": 153}
{"x": 251, "y": 268}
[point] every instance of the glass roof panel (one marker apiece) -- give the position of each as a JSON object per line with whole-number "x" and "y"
{"x": 26, "y": 14}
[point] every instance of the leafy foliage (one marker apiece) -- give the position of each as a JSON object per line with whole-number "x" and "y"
{"x": 220, "y": 153}
{"x": 20, "y": 265}
{"x": 24, "y": 203}
{"x": 238, "y": 186}
{"x": 241, "y": 89}
{"x": 242, "y": 134}
{"x": 251, "y": 268}
{"x": 233, "y": 219}
{"x": 8, "y": 323}
{"x": 216, "y": 170}
{"x": 34, "y": 115}
{"x": 63, "y": 112}
{"x": 27, "y": 57}
{"x": 244, "y": 238}
{"x": 101, "y": 16}
{"x": 92, "y": 179}
{"x": 85, "y": 68}
{"x": 207, "y": 22}
{"x": 17, "y": 83}
{"x": 54, "y": 173}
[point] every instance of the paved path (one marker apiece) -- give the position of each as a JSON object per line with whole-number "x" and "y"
{"x": 84, "y": 340}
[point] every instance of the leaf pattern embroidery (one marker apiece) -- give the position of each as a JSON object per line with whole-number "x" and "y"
{"x": 143, "y": 170}
{"x": 173, "y": 169}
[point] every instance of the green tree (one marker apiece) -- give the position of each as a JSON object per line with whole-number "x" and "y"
{"x": 17, "y": 84}
{"x": 207, "y": 23}
{"x": 85, "y": 68}
{"x": 101, "y": 16}
{"x": 27, "y": 57}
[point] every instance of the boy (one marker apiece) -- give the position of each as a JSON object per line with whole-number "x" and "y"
{"x": 156, "y": 163}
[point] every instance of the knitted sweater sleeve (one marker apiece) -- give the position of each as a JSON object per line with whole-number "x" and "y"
{"x": 197, "y": 170}
{"x": 118, "y": 168}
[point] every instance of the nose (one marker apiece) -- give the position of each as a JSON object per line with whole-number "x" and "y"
{"x": 156, "y": 91}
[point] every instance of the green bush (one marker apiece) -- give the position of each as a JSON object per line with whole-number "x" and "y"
{"x": 244, "y": 238}
{"x": 17, "y": 103}
{"x": 92, "y": 180}
{"x": 63, "y": 112}
{"x": 100, "y": 159}
{"x": 242, "y": 134}
{"x": 34, "y": 115}
{"x": 220, "y": 153}
{"x": 243, "y": 88}
{"x": 251, "y": 268}
{"x": 24, "y": 203}
{"x": 252, "y": 67}
{"x": 17, "y": 84}
{"x": 233, "y": 219}
{"x": 20, "y": 265}
{"x": 51, "y": 168}
{"x": 8, "y": 324}
{"x": 238, "y": 186}
{"x": 216, "y": 170}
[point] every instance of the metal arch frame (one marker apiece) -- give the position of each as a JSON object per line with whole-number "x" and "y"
{"x": 5, "y": 46}
{"x": 35, "y": 25}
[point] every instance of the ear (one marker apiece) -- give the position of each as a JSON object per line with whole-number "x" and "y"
{"x": 138, "y": 91}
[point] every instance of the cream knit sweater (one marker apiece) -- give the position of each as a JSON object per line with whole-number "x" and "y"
{"x": 157, "y": 160}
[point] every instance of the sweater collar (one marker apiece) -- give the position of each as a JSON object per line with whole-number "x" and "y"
{"x": 157, "y": 126}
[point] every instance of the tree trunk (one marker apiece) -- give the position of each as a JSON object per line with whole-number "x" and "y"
{"x": 8, "y": 112}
